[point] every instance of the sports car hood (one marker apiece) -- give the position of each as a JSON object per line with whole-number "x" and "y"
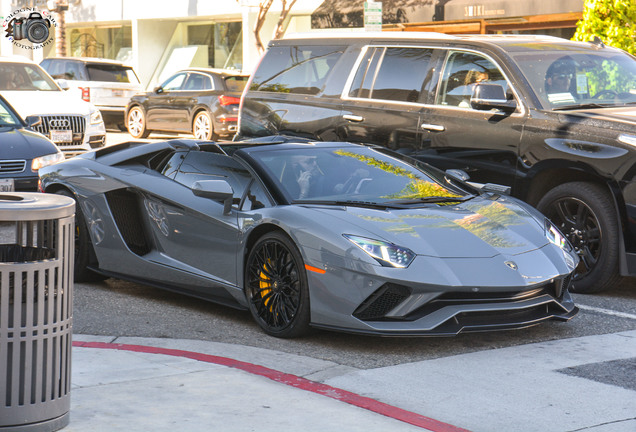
{"x": 477, "y": 228}
{"x": 37, "y": 102}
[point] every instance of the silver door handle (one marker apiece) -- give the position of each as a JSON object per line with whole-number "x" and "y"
{"x": 432, "y": 127}
{"x": 353, "y": 118}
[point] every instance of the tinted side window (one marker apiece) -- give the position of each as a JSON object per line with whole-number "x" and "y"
{"x": 198, "y": 82}
{"x": 461, "y": 72}
{"x": 363, "y": 81}
{"x": 174, "y": 82}
{"x": 255, "y": 198}
{"x": 400, "y": 76}
{"x": 295, "y": 69}
{"x": 199, "y": 165}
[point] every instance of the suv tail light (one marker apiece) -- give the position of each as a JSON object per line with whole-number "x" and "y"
{"x": 86, "y": 93}
{"x": 228, "y": 100}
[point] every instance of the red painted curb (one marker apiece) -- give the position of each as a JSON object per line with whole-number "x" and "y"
{"x": 293, "y": 381}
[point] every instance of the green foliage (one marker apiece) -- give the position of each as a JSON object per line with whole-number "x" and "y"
{"x": 613, "y": 21}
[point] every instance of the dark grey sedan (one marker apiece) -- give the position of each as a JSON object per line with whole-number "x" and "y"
{"x": 203, "y": 102}
{"x": 22, "y": 152}
{"x": 330, "y": 235}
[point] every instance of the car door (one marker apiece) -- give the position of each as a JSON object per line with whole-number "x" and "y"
{"x": 196, "y": 87}
{"x": 454, "y": 135}
{"x": 383, "y": 99}
{"x": 197, "y": 233}
{"x": 160, "y": 111}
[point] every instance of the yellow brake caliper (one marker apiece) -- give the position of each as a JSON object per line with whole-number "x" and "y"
{"x": 265, "y": 287}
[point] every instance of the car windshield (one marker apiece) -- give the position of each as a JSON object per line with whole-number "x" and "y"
{"x": 25, "y": 77}
{"x": 7, "y": 118}
{"x": 579, "y": 78}
{"x": 349, "y": 175}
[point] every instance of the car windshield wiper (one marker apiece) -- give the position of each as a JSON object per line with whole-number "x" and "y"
{"x": 432, "y": 200}
{"x": 583, "y": 106}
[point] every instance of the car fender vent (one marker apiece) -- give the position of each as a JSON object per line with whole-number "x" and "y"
{"x": 126, "y": 210}
{"x": 381, "y": 302}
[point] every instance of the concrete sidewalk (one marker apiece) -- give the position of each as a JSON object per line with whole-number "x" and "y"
{"x": 141, "y": 384}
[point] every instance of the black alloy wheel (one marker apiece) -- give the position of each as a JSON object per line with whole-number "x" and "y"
{"x": 276, "y": 286}
{"x": 585, "y": 214}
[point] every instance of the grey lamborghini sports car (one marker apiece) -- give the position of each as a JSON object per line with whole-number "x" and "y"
{"x": 306, "y": 234}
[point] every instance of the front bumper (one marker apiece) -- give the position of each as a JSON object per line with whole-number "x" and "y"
{"x": 435, "y": 296}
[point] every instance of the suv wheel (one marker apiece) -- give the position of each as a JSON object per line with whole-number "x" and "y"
{"x": 136, "y": 123}
{"x": 202, "y": 127}
{"x": 586, "y": 215}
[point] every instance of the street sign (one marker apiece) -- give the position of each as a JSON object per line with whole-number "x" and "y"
{"x": 372, "y": 16}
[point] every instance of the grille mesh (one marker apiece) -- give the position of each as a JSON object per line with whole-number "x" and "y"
{"x": 381, "y": 302}
{"x": 76, "y": 124}
{"x": 12, "y": 166}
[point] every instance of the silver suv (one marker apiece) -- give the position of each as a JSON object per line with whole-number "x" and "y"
{"x": 108, "y": 84}
{"x": 73, "y": 125}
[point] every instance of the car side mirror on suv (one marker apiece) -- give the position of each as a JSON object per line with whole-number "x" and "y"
{"x": 158, "y": 89}
{"x": 491, "y": 96}
{"x": 63, "y": 84}
{"x": 33, "y": 121}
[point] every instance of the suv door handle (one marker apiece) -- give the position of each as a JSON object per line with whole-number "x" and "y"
{"x": 432, "y": 127}
{"x": 353, "y": 118}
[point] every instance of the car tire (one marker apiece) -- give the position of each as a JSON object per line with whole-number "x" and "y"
{"x": 136, "y": 123}
{"x": 84, "y": 252}
{"x": 202, "y": 127}
{"x": 276, "y": 286}
{"x": 585, "y": 213}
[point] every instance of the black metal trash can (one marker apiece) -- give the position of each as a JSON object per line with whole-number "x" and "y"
{"x": 36, "y": 309}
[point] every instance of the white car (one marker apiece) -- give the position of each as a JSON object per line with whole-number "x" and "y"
{"x": 75, "y": 126}
{"x": 108, "y": 84}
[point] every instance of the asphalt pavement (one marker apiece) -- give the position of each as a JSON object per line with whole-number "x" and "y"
{"x": 140, "y": 384}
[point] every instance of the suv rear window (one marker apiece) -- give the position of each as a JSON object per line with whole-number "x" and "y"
{"x": 111, "y": 73}
{"x": 296, "y": 69}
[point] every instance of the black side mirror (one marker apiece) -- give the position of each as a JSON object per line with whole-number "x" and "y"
{"x": 158, "y": 89}
{"x": 458, "y": 174}
{"x": 217, "y": 190}
{"x": 33, "y": 121}
{"x": 491, "y": 96}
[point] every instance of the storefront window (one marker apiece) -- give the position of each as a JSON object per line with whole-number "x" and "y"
{"x": 223, "y": 41}
{"x": 103, "y": 42}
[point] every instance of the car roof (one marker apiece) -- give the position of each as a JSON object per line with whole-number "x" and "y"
{"x": 16, "y": 59}
{"x": 90, "y": 60}
{"x": 216, "y": 71}
{"x": 510, "y": 42}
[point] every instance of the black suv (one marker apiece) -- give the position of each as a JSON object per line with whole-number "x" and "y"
{"x": 554, "y": 120}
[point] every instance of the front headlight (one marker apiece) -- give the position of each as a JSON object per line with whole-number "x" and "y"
{"x": 387, "y": 254}
{"x": 96, "y": 117}
{"x": 555, "y": 237}
{"x": 43, "y": 161}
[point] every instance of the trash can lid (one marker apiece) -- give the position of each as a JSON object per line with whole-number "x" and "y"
{"x": 33, "y": 206}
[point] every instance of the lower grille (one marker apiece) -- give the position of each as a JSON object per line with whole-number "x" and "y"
{"x": 12, "y": 166}
{"x": 76, "y": 124}
{"x": 381, "y": 302}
